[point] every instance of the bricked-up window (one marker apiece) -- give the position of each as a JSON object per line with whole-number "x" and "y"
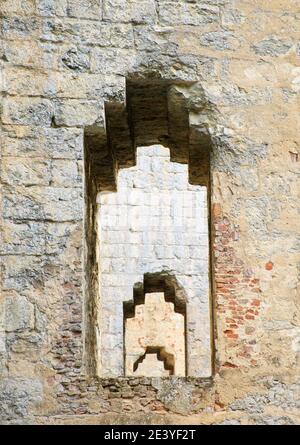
{"x": 155, "y": 223}
{"x": 155, "y": 339}
{"x": 146, "y": 216}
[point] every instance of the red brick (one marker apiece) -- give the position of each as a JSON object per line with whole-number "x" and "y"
{"x": 216, "y": 210}
{"x": 255, "y": 302}
{"x": 269, "y": 265}
{"x": 233, "y": 336}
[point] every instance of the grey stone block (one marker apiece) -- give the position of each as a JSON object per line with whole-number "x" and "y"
{"x": 19, "y": 314}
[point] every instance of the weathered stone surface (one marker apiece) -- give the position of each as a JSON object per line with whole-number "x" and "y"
{"x": 76, "y": 59}
{"x": 51, "y": 7}
{"x": 278, "y": 394}
{"x": 175, "y": 394}
{"x": 19, "y": 314}
{"x": 219, "y": 40}
{"x": 125, "y": 11}
{"x": 47, "y": 203}
{"x": 42, "y": 142}
{"x": 272, "y": 46}
{"x": 29, "y": 111}
{"x": 25, "y": 171}
{"x": 78, "y": 71}
{"x": 74, "y": 112}
{"x": 15, "y": 7}
{"x": 20, "y": 27}
{"x": 97, "y": 33}
{"x": 86, "y": 9}
{"x": 174, "y": 13}
{"x": 23, "y": 238}
{"x": 112, "y": 60}
{"x": 16, "y": 397}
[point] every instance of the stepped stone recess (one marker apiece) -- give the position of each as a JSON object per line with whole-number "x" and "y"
{"x": 88, "y": 88}
{"x": 155, "y": 327}
{"x": 155, "y": 222}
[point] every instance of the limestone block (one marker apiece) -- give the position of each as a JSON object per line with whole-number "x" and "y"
{"x": 51, "y": 7}
{"x": 74, "y": 112}
{"x": 88, "y": 32}
{"x": 175, "y": 394}
{"x": 17, "y": 7}
{"x": 171, "y": 13}
{"x": 219, "y": 40}
{"x": 22, "y": 206}
{"x": 69, "y": 31}
{"x": 62, "y": 204}
{"x": 76, "y": 58}
{"x": 122, "y": 11}
{"x": 27, "y": 111}
{"x": 23, "y": 238}
{"x": 19, "y": 314}
{"x": 181, "y": 252}
{"x": 17, "y": 395}
{"x": 20, "y": 28}
{"x": 88, "y": 86}
{"x": 64, "y": 173}
{"x": 24, "y": 82}
{"x": 22, "y": 171}
{"x": 31, "y": 54}
{"x": 57, "y": 236}
{"x": 112, "y": 60}
{"x": 154, "y": 40}
{"x": 45, "y": 203}
{"x": 272, "y": 46}
{"x": 164, "y": 252}
{"x": 37, "y": 142}
{"x": 86, "y": 9}
{"x": 22, "y": 271}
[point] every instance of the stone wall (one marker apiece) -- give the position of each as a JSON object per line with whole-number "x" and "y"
{"x": 61, "y": 60}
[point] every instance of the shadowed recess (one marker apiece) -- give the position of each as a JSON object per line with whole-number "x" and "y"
{"x": 162, "y": 355}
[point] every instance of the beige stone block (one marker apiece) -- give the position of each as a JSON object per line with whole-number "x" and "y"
{"x": 85, "y": 9}
{"x": 157, "y": 331}
{"x": 27, "y": 111}
{"x": 17, "y": 7}
{"x": 27, "y": 82}
{"x": 77, "y": 112}
{"x": 24, "y": 171}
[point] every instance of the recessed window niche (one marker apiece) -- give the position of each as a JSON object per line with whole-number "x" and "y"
{"x": 147, "y": 294}
{"x": 155, "y": 223}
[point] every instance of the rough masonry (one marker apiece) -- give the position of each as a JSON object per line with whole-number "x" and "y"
{"x": 83, "y": 84}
